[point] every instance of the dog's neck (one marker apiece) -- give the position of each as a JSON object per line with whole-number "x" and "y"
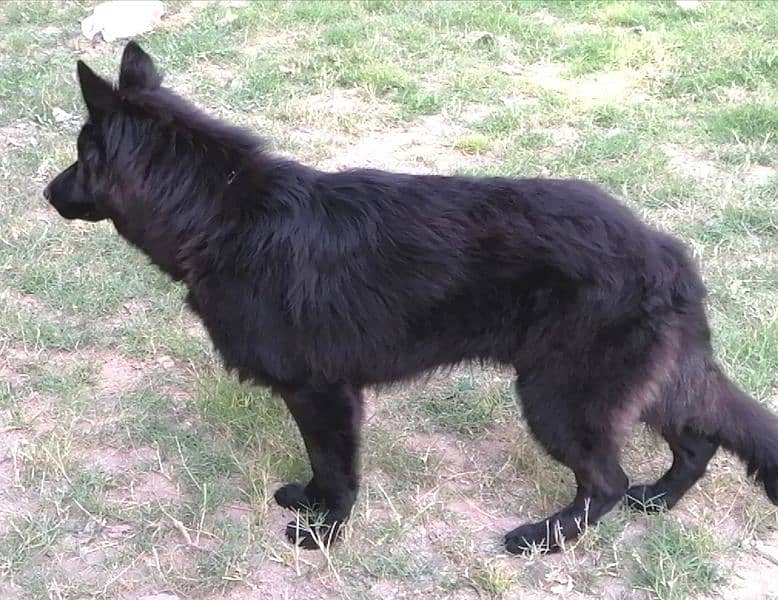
{"x": 176, "y": 192}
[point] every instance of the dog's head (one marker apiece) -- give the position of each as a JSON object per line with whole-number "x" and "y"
{"x": 84, "y": 190}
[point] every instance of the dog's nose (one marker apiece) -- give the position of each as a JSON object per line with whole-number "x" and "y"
{"x": 47, "y": 193}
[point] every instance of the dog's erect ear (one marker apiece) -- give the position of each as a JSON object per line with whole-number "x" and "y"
{"x": 99, "y": 95}
{"x": 138, "y": 70}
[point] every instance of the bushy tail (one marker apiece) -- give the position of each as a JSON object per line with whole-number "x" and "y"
{"x": 750, "y": 430}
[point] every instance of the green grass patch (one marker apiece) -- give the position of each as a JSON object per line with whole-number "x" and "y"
{"x": 503, "y": 122}
{"x": 648, "y": 15}
{"x": 40, "y": 14}
{"x": 493, "y": 579}
{"x": 255, "y": 421}
{"x": 26, "y": 327}
{"x": 73, "y": 279}
{"x": 259, "y": 83}
{"x": 744, "y": 123}
{"x": 28, "y": 540}
{"x": 33, "y": 88}
{"x": 403, "y": 467}
{"x": 590, "y": 52}
{"x": 473, "y": 144}
{"x": 735, "y": 223}
{"x": 676, "y": 561}
{"x": 62, "y": 382}
{"x": 210, "y": 37}
{"x": 745, "y": 335}
{"x": 467, "y": 406}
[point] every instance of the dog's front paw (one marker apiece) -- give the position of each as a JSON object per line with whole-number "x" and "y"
{"x": 533, "y": 537}
{"x": 292, "y": 495}
{"x": 296, "y": 496}
{"x": 314, "y": 535}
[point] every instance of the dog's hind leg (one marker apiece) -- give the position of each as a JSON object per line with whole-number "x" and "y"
{"x": 584, "y": 443}
{"x": 329, "y": 420}
{"x": 707, "y": 411}
{"x": 691, "y": 453}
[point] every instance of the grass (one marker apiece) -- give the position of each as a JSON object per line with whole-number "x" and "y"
{"x": 677, "y": 561}
{"x": 473, "y": 144}
{"x": 28, "y": 538}
{"x": 493, "y": 579}
{"x": 131, "y": 464}
{"x": 747, "y": 122}
{"x": 466, "y": 406}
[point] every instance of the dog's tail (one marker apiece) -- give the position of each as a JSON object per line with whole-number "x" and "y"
{"x": 743, "y": 426}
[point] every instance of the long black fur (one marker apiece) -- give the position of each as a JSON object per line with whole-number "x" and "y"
{"x": 319, "y": 284}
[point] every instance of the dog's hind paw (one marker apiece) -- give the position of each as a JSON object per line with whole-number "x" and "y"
{"x": 313, "y": 536}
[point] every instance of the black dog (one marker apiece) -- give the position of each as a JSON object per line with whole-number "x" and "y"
{"x": 320, "y": 284}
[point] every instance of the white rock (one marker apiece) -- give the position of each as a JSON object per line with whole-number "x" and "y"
{"x": 61, "y": 116}
{"x": 117, "y": 19}
{"x": 166, "y": 362}
{"x": 688, "y": 4}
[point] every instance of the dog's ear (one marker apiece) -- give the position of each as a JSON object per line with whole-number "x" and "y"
{"x": 98, "y": 94}
{"x": 137, "y": 69}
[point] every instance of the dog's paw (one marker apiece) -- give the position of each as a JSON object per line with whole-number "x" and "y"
{"x": 533, "y": 537}
{"x": 313, "y": 536}
{"x": 296, "y": 496}
{"x": 644, "y": 498}
{"x": 291, "y": 495}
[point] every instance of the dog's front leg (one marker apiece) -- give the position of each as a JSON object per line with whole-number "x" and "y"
{"x": 329, "y": 418}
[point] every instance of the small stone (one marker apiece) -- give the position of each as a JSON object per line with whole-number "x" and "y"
{"x": 119, "y": 531}
{"x": 166, "y": 362}
{"x": 509, "y": 69}
{"x": 688, "y": 4}
{"x": 61, "y": 116}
